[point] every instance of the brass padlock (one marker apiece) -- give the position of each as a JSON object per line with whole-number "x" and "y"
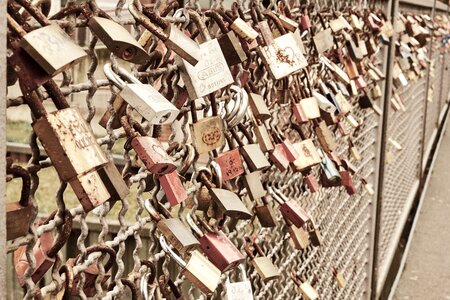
{"x": 339, "y": 23}
{"x": 325, "y": 136}
{"x": 217, "y": 246}
{"x": 323, "y": 40}
{"x": 265, "y": 214}
{"x": 148, "y": 149}
{"x": 262, "y": 264}
{"x": 118, "y": 40}
{"x": 253, "y": 156}
{"x": 173, "y": 38}
{"x": 299, "y": 237}
{"x": 314, "y": 233}
{"x": 45, "y": 46}
{"x": 228, "y": 41}
{"x": 144, "y": 98}
{"x": 305, "y": 288}
{"x": 211, "y": 73}
{"x": 227, "y": 202}
{"x": 258, "y": 106}
{"x": 19, "y": 214}
{"x": 198, "y": 270}
{"x": 179, "y": 236}
{"x": 207, "y": 134}
{"x": 263, "y": 137}
{"x": 254, "y": 186}
{"x": 307, "y": 152}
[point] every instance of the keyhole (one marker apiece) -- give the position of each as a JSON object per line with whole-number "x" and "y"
{"x": 128, "y": 53}
{"x": 164, "y": 118}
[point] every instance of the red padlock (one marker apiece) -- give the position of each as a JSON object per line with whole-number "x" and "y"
{"x": 290, "y": 209}
{"x": 279, "y": 158}
{"x": 217, "y": 246}
{"x": 173, "y": 188}
{"x": 148, "y": 149}
{"x": 44, "y": 251}
{"x": 92, "y": 271}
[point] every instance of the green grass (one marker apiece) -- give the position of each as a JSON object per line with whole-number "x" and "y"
{"x": 49, "y": 181}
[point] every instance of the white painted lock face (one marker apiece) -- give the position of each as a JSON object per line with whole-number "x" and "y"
{"x": 240, "y": 290}
{"x": 210, "y": 74}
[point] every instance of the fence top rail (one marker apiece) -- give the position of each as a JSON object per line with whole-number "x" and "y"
{"x": 426, "y": 3}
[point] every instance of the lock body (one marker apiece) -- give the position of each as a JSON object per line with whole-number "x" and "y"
{"x": 307, "y": 155}
{"x": 173, "y": 188}
{"x": 254, "y": 157}
{"x": 229, "y": 204}
{"x": 152, "y": 154}
{"x": 230, "y": 164}
{"x": 202, "y": 273}
{"x": 179, "y": 236}
{"x": 45, "y": 46}
{"x": 221, "y": 251}
{"x": 18, "y": 219}
{"x": 292, "y": 211}
{"x": 265, "y": 268}
{"x": 299, "y": 237}
{"x": 207, "y": 134}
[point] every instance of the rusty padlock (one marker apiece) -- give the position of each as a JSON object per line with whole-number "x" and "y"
{"x": 148, "y": 149}
{"x": 265, "y": 214}
{"x": 289, "y": 208}
{"x": 19, "y": 214}
{"x": 44, "y": 251}
{"x": 217, "y": 246}
{"x": 262, "y": 264}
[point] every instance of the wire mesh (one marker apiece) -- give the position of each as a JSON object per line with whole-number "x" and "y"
{"x": 345, "y": 221}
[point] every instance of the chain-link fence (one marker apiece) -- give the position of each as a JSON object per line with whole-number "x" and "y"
{"x": 346, "y": 222}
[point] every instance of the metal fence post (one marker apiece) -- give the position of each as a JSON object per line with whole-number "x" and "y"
{"x": 392, "y": 9}
{"x": 2, "y": 149}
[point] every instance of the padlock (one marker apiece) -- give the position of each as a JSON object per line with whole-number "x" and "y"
{"x": 46, "y": 44}
{"x": 31, "y": 74}
{"x": 347, "y": 180}
{"x": 339, "y": 24}
{"x": 239, "y": 290}
{"x": 211, "y": 73}
{"x": 339, "y": 278}
{"x": 265, "y": 214}
{"x": 253, "y": 156}
{"x": 329, "y": 95}
{"x": 230, "y": 163}
{"x": 290, "y": 208}
{"x": 330, "y": 172}
{"x": 148, "y": 149}
{"x": 253, "y": 185}
{"x": 229, "y": 43}
{"x": 148, "y": 283}
{"x": 173, "y": 229}
{"x": 227, "y": 202}
{"x": 242, "y": 29}
{"x": 44, "y": 251}
{"x": 279, "y": 158}
{"x": 173, "y": 188}
{"x": 283, "y": 56}
{"x": 198, "y": 270}
{"x": 113, "y": 182}
{"x": 314, "y": 233}
{"x": 262, "y": 264}
{"x": 258, "y": 106}
{"x": 351, "y": 68}
{"x": 307, "y": 152}
{"x": 368, "y": 187}
{"x": 263, "y": 137}
{"x": 144, "y": 98}
{"x": 307, "y": 109}
{"x": 207, "y": 134}
{"x": 172, "y": 37}
{"x": 19, "y": 214}
{"x": 118, "y": 40}
{"x": 217, "y": 246}
{"x": 305, "y": 288}
{"x": 310, "y": 181}
{"x": 299, "y": 237}
{"x": 323, "y": 40}
{"x": 92, "y": 271}
{"x": 325, "y": 136}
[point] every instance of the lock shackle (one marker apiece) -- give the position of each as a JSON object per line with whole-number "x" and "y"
{"x": 255, "y": 12}
{"x": 163, "y": 210}
{"x": 67, "y": 269}
{"x": 236, "y": 137}
{"x": 63, "y": 236}
{"x": 173, "y": 288}
{"x": 103, "y": 249}
{"x": 226, "y": 17}
{"x": 188, "y": 159}
{"x": 21, "y": 172}
{"x": 284, "y": 7}
{"x": 193, "y": 225}
{"x": 205, "y": 176}
{"x": 216, "y": 17}
{"x": 34, "y": 11}
{"x": 155, "y": 18}
{"x": 145, "y": 21}
{"x": 166, "y": 248}
{"x": 56, "y": 94}
{"x": 297, "y": 128}
{"x": 246, "y": 133}
{"x": 249, "y": 251}
{"x": 84, "y": 8}
{"x": 113, "y": 77}
{"x": 14, "y": 26}
{"x": 218, "y": 172}
{"x": 276, "y": 21}
{"x": 236, "y": 9}
{"x": 258, "y": 248}
{"x": 151, "y": 272}
{"x": 243, "y": 274}
{"x": 275, "y": 196}
{"x": 242, "y": 106}
{"x": 201, "y": 26}
{"x": 129, "y": 284}
{"x": 154, "y": 214}
{"x": 205, "y": 225}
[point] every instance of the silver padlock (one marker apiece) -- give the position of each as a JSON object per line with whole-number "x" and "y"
{"x": 211, "y": 73}
{"x": 144, "y": 98}
{"x": 240, "y": 290}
